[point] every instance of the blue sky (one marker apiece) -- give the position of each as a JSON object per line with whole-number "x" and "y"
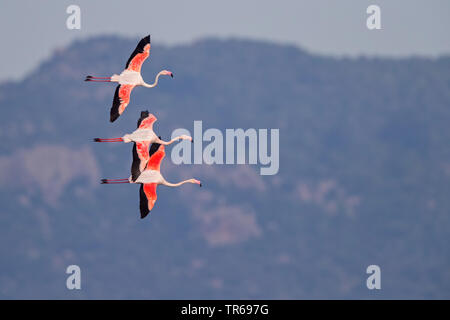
{"x": 31, "y": 30}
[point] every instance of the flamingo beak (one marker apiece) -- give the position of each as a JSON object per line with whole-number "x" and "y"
{"x": 200, "y": 185}
{"x": 171, "y": 74}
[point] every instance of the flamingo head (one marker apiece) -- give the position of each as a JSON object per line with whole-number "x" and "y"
{"x": 185, "y": 137}
{"x": 195, "y": 181}
{"x": 167, "y": 73}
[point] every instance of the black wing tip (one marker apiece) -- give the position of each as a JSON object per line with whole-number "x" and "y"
{"x": 96, "y": 140}
{"x": 144, "y": 41}
{"x": 114, "y": 114}
{"x": 144, "y": 214}
{"x": 114, "y": 117}
{"x": 143, "y": 203}
{"x": 135, "y": 172}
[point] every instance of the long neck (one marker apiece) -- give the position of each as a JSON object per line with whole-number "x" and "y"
{"x": 154, "y": 83}
{"x": 169, "y": 184}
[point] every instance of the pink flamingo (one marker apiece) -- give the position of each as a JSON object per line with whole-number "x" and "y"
{"x": 149, "y": 179}
{"x": 129, "y": 78}
{"x": 144, "y": 133}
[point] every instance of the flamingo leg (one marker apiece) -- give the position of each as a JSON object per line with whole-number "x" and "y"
{"x": 93, "y": 77}
{"x": 108, "y": 182}
{"x": 90, "y": 80}
{"x": 108, "y": 140}
{"x": 114, "y": 181}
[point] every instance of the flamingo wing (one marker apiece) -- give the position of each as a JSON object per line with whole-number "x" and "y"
{"x": 147, "y": 122}
{"x": 156, "y": 155}
{"x": 140, "y": 158}
{"x": 121, "y": 100}
{"x": 139, "y": 55}
{"x": 144, "y": 114}
{"x": 147, "y": 198}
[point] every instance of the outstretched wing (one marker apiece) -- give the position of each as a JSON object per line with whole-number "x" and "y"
{"x": 147, "y": 123}
{"x": 121, "y": 100}
{"x": 147, "y": 198}
{"x": 139, "y": 55}
{"x": 156, "y": 155}
{"x": 140, "y": 158}
{"x": 144, "y": 114}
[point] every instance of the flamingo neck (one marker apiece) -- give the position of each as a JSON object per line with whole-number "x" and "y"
{"x": 166, "y": 143}
{"x": 154, "y": 83}
{"x": 169, "y": 184}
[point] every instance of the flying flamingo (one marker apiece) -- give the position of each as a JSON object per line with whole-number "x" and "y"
{"x": 130, "y": 78}
{"x": 144, "y": 132}
{"x": 149, "y": 179}
{"x": 143, "y": 137}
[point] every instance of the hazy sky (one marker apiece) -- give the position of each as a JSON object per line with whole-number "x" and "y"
{"x": 31, "y": 30}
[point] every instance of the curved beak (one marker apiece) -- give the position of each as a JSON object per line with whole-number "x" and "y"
{"x": 171, "y": 74}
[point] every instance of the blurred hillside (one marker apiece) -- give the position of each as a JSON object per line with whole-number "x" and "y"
{"x": 364, "y": 177}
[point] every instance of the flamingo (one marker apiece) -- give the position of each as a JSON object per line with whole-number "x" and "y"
{"x": 130, "y": 78}
{"x": 142, "y": 137}
{"x": 144, "y": 132}
{"x": 149, "y": 179}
